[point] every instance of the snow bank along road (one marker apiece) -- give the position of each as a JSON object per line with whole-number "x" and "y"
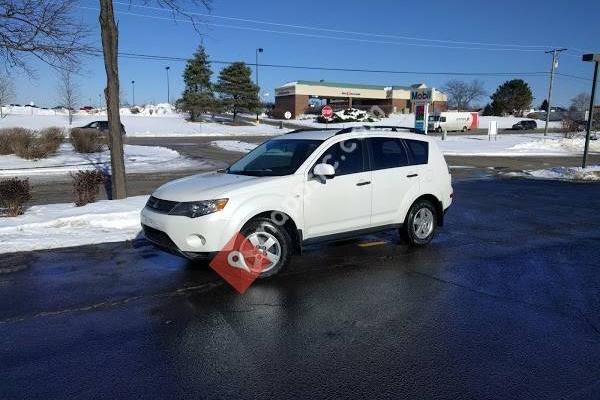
{"x": 138, "y": 159}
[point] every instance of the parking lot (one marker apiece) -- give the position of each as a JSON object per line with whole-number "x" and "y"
{"x": 503, "y": 304}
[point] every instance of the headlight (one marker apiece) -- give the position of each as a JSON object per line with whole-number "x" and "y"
{"x": 194, "y": 209}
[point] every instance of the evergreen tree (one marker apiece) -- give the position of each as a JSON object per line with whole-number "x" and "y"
{"x": 512, "y": 97}
{"x": 544, "y": 105}
{"x": 236, "y": 89}
{"x": 198, "y": 96}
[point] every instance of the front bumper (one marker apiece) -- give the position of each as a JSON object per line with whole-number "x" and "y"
{"x": 183, "y": 235}
{"x": 163, "y": 241}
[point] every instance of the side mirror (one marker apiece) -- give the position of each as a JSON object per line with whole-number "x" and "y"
{"x": 324, "y": 170}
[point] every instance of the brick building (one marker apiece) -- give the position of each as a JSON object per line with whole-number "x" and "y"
{"x": 294, "y": 97}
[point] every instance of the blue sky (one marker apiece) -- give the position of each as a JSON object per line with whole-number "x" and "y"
{"x": 435, "y": 25}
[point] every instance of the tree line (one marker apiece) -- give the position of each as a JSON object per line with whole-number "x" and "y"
{"x": 233, "y": 92}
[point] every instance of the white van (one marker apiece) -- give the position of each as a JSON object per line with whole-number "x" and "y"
{"x": 451, "y": 121}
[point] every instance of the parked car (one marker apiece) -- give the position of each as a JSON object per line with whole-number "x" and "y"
{"x": 453, "y": 121}
{"x": 306, "y": 187}
{"x": 525, "y": 125}
{"x": 102, "y": 126}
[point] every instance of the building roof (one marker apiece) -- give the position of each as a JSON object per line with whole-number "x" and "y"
{"x": 340, "y": 84}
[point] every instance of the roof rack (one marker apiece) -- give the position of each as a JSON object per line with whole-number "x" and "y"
{"x": 311, "y": 129}
{"x": 375, "y": 127}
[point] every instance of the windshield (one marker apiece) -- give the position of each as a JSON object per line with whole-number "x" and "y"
{"x": 275, "y": 158}
{"x": 433, "y": 118}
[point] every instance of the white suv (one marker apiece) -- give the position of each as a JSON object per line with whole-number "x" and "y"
{"x": 305, "y": 187}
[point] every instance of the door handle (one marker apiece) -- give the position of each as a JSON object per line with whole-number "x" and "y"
{"x": 363, "y": 183}
{"x": 412, "y": 175}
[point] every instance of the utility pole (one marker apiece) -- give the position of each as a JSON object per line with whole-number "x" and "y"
{"x": 168, "y": 86}
{"x": 554, "y": 65}
{"x": 259, "y": 50}
{"x": 110, "y": 40}
{"x": 133, "y": 93}
{"x": 595, "y": 58}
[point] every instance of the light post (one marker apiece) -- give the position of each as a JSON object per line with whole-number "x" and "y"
{"x": 168, "y": 86}
{"x": 133, "y": 93}
{"x": 259, "y": 50}
{"x": 596, "y": 59}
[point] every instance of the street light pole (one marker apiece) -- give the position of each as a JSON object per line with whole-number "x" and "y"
{"x": 554, "y": 59}
{"x": 168, "y": 86}
{"x": 596, "y": 59}
{"x": 133, "y": 93}
{"x": 259, "y": 50}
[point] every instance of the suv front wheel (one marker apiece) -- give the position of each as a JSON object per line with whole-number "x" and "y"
{"x": 419, "y": 227}
{"x": 272, "y": 240}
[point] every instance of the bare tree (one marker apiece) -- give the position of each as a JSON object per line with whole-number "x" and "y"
{"x": 68, "y": 91}
{"x": 461, "y": 94}
{"x": 7, "y": 92}
{"x": 581, "y": 102}
{"x": 44, "y": 29}
{"x": 110, "y": 46}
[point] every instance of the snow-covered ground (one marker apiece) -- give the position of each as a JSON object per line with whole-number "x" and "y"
{"x": 140, "y": 125}
{"x": 137, "y": 159}
{"x": 64, "y": 225}
{"x": 591, "y": 173}
{"x": 234, "y": 145}
{"x": 514, "y": 145}
{"x": 479, "y": 145}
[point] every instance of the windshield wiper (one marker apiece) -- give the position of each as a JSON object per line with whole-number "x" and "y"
{"x": 251, "y": 172}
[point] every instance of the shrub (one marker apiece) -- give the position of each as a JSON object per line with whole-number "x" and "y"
{"x": 86, "y": 186}
{"x": 14, "y": 193}
{"x": 87, "y": 140}
{"x": 31, "y": 147}
{"x": 53, "y": 133}
{"x": 6, "y": 141}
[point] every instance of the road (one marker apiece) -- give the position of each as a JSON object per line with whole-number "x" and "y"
{"x": 503, "y": 304}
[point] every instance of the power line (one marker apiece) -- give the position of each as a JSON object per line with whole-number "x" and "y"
{"x": 333, "y": 69}
{"x": 312, "y": 35}
{"x": 294, "y": 26}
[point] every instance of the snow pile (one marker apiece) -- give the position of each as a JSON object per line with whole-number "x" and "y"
{"x": 158, "y": 110}
{"x": 137, "y": 159}
{"x": 591, "y": 173}
{"x": 348, "y": 115}
{"x": 234, "y": 145}
{"x": 64, "y": 225}
{"x": 574, "y": 145}
{"x": 513, "y": 145}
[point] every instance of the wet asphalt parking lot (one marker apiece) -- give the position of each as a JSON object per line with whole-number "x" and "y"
{"x": 505, "y": 303}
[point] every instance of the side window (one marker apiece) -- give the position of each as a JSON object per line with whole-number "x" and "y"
{"x": 387, "y": 153}
{"x": 419, "y": 151}
{"x": 93, "y": 124}
{"x": 346, "y": 157}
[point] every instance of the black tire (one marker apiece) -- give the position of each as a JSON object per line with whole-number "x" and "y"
{"x": 280, "y": 233}
{"x": 464, "y": 129}
{"x": 409, "y": 233}
{"x": 438, "y": 130}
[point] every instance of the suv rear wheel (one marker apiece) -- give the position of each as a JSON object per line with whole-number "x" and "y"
{"x": 419, "y": 227}
{"x": 272, "y": 240}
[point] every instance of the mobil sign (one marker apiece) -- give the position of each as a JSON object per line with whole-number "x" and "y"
{"x": 421, "y": 95}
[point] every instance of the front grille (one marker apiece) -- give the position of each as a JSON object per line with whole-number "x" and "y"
{"x": 158, "y": 237}
{"x": 161, "y": 206}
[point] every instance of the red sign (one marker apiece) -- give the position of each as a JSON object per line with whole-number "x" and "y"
{"x": 327, "y": 112}
{"x": 239, "y": 263}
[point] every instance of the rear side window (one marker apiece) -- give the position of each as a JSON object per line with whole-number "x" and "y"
{"x": 419, "y": 151}
{"x": 346, "y": 157}
{"x": 387, "y": 153}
